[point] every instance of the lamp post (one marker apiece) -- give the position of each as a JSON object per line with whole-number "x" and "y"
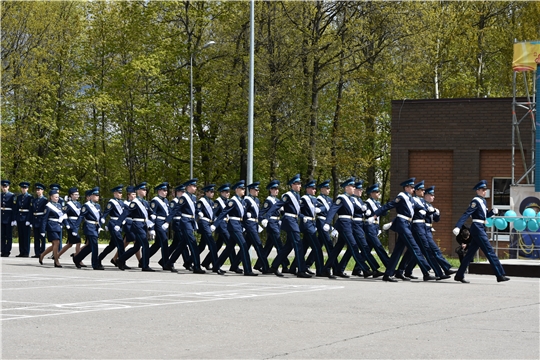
{"x": 191, "y": 108}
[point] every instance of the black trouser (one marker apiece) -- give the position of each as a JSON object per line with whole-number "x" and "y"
{"x": 293, "y": 242}
{"x": 254, "y": 240}
{"x": 228, "y": 252}
{"x": 7, "y": 239}
{"x": 187, "y": 239}
{"x": 91, "y": 247}
{"x": 273, "y": 239}
{"x": 141, "y": 241}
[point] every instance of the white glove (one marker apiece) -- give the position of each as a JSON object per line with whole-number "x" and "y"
{"x": 212, "y": 228}
{"x": 117, "y": 228}
{"x": 31, "y": 226}
{"x": 387, "y": 226}
{"x": 200, "y": 213}
{"x": 317, "y": 210}
{"x": 248, "y": 214}
{"x": 370, "y": 220}
{"x": 305, "y": 220}
{"x": 124, "y": 222}
{"x": 152, "y": 234}
{"x": 99, "y": 230}
{"x": 495, "y": 211}
{"x": 430, "y": 209}
{"x": 153, "y": 217}
{"x": 279, "y": 222}
{"x": 379, "y": 232}
{"x": 437, "y": 212}
{"x": 326, "y": 227}
{"x": 367, "y": 212}
{"x": 456, "y": 231}
{"x": 364, "y": 207}
{"x": 260, "y": 229}
{"x": 102, "y": 220}
{"x": 243, "y": 229}
{"x": 27, "y": 223}
{"x": 68, "y": 227}
{"x": 334, "y": 233}
{"x": 14, "y": 223}
{"x": 42, "y": 234}
{"x": 423, "y": 212}
{"x": 264, "y": 222}
{"x": 165, "y": 226}
{"x": 74, "y": 233}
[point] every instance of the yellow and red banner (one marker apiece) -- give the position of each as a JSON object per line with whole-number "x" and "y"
{"x": 526, "y": 56}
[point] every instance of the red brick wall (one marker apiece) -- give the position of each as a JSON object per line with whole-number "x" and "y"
{"x": 435, "y": 168}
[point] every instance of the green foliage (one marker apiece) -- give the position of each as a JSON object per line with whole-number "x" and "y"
{"x": 98, "y": 93}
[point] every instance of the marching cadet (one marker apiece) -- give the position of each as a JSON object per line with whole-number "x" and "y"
{"x": 235, "y": 212}
{"x": 435, "y": 215}
{"x": 72, "y": 209}
{"x": 205, "y": 218}
{"x": 290, "y": 201}
{"x": 53, "y": 219}
{"x": 140, "y": 214}
{"x": 126, "y": 227}
{"x": 309, "y": 208}
{"x": 324, "y": 236}
{"x": 224, "y": 237}
{"x": 61, "y": 201}
{"x": 478, "y": 212}
{"x": 24, "y": 215}
{"x": 38, "y": 211}
{"x": 9, "y": 218}
{"x": 360, "y": 213}
{"x": 91, "y": 214}
{"x": 160, "y": 207}
{"x": 251, "y": 224}
{"x": 273, "y": 232}
{"x": 344, "y": 207}
{"x": 371, "y": 225}
{"x": 185, "y": 211}
{"x": 405, "y": 207}
{"x": 419, "y": 234}
{"x": 115, "y": 207}
{"x": 177, "y": 230}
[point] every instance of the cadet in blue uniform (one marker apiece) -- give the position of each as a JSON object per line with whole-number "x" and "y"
{"x": 185, "y": 211}
{"x": 478, "y": 212}
{"x": 434, "y": 215}
{"x": 371, "y": 225}
{"x": 72, "y": 209}
{"x": 126, "y": 227}
{"x": 325, "y": 202}
{"x": 53, "y": 219}
{"x": 177, "y": 230}
{"x": 272, "y": 223}
{"x": 91, "y": 214}
{"x": 23, "y": 212}
{"x": 115, "y": 207}
{"x": 8, "y": 218}
{"x": 419, "y": 233}
{"x": 224, "y": 237}
{"x": 405, "y": 207}
{"x": 361, "y": 212}
{"x": 251, "y": 224}
{"x": 140, "y": 214}
{"x": 160, "y": 207}
{"x": 205, "y": 218}
{"x": 235, "y": 211}
{"x": 290, "y": 201}
{"x": 61, "y": 201}
{"x": 38, "y": 211}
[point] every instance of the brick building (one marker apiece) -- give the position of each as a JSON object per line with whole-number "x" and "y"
{"x": 452, "y": 144}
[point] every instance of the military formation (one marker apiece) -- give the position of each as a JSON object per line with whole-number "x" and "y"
{"x": 309, "y": 221}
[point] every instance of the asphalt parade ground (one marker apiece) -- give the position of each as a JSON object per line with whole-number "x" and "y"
{"x": 70, "y": 313}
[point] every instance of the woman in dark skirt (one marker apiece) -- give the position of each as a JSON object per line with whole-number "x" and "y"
{"x": 53, "y": 218}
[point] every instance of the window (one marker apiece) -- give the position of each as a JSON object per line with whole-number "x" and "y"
{"x": 500, "y": 190}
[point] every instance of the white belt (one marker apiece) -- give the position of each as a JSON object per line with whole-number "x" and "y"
{"x": 419, "y": 221}
{"x": 479, "y": 221}
{"x": 291, "y": 215}
{"x": 404, "y": 217}
{"x": 39, "y": 213}
{"x": 309, "y": 218}
{"x": 24, "y": 210}
{"x": 373, "y": 222}
{"x": 235, "y": 218}
{"x": 139, "y": 220}
{"x": 358, "y": 219}
{"x": 112, "y": 218}
{"x": 92, "y": 222}
{"x": 129, "y": 219}
{"x": 73, "y": 218}
{"x": 161, "y": 217}
{"x": 206, "y": 219}
{"x": 7, "y": 209}
{"x": 321, "y": 217}
{"x": 55, "y": 220}
{"x": 274, "y": 217}
{"x": 345, "y": 216}
{"x": 252, "y": 219}
{"x": 188, "y": 216}
{"x": 177, "y": 218}
{"x": 429, "y": 225}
